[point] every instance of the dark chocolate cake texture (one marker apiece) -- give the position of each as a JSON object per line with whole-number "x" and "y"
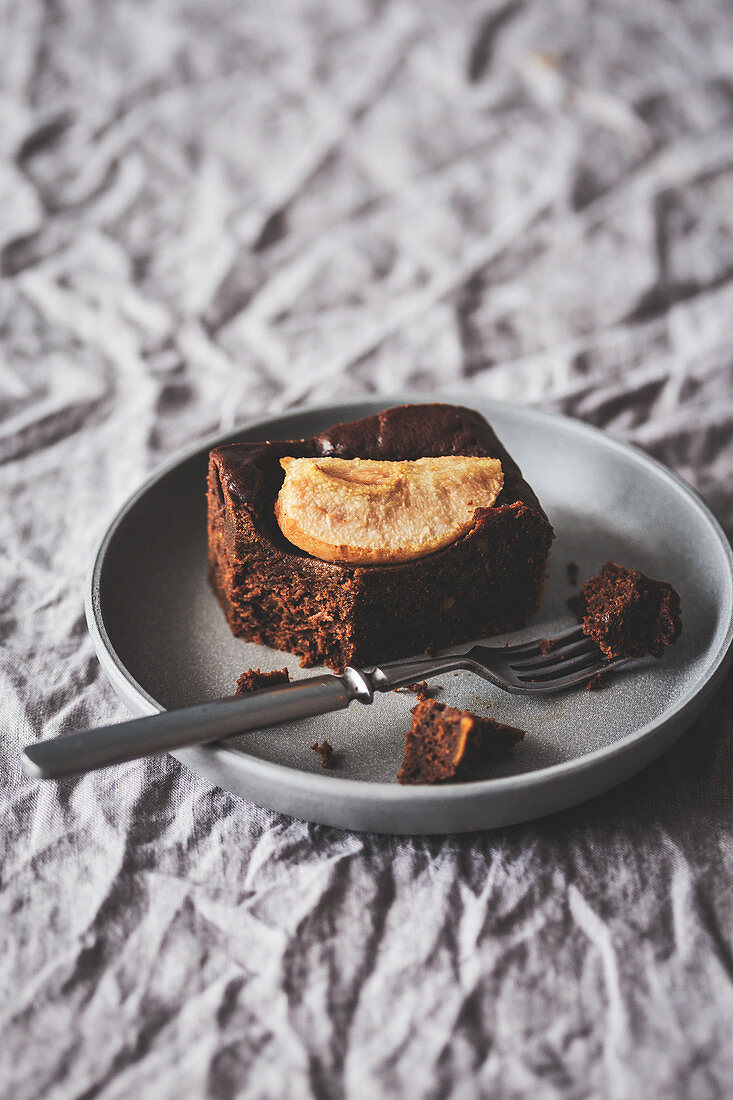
{"x": 627, "y": 613}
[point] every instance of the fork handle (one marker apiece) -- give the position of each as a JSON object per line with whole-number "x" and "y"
{"x": 176, "y": 729}
{"x": 88, "y": 750}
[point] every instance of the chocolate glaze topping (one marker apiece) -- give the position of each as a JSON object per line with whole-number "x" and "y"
{"x": 404, "y": 433}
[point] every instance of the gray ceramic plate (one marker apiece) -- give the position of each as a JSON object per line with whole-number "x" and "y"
{"x": 163, "y": 641}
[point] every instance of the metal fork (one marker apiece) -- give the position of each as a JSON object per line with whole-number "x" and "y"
{"x": 521, "y": 669}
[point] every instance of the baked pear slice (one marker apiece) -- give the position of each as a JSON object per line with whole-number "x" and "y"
{"x": 364, "y": 512}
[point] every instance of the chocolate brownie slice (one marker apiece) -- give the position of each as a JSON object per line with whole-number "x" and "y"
{"x": 486, "y": 582}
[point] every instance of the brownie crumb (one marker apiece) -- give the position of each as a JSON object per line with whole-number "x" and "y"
{"x": 254, "y": 679}
{"x": 421, "y": 690}
{"x": 325, "y": 751}
{"x": 628, "y": 614}
{"x": 572, "y": 572}
{"x": 446, "y": 744}
{"x": 548, "y": 644}
{"x": 430, "y": 650}
{"x": 596, "y": 683}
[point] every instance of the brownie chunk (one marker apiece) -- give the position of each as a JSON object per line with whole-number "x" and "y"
{"x": 254, "y": 679}
{"x": 628, "y": 614}
{"x": 488, "y": 581}
{"x": 445, "y": 743}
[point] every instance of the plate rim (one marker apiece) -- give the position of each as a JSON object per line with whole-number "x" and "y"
{"x": 311, "y": 782}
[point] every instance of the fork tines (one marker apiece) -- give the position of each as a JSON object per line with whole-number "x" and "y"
{"x": 569, "y": 657}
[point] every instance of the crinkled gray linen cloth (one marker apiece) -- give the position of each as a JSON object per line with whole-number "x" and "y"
{"x": 214, "y": 211}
